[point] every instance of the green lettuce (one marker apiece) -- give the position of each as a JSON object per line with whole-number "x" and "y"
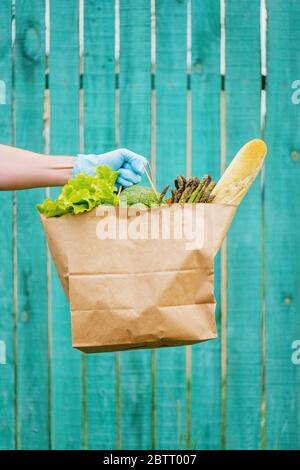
{"x": 83, "y": 193}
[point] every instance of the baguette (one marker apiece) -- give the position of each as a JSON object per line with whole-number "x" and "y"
{"x": 240, "y": 174}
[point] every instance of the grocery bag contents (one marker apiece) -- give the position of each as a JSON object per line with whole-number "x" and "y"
{"x": 192, "y": 190}
{"x": 131, "y": 292}
{"x": 83, "y": 193}
{"x": 241, "y": 173}
{"x": 140, "y": 196}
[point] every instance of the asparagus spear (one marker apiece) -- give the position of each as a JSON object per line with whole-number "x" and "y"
{"x": 196, "y": 191}
{"x": 206, "y": 180}
{"x": 191, "y": 185}
{"x": 211, "y": 197}
{"x": 162, "y": 194}
{"x": 180, "y": 184}
{"x": 183, "y": 178}
{"x": 178, "y": 194}
{"x": 173, "y": 192}
{"x": 207, "y": 192}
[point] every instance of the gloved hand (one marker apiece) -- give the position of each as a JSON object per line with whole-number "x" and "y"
{"x": 129, "y": 164}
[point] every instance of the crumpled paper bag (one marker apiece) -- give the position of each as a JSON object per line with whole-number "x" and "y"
{"x": 138, "y": 279}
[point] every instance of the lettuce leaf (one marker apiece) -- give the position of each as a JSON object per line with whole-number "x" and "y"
{"x": 83, "y": 193}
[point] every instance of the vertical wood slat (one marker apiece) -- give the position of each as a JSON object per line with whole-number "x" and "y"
{"x": 7, "y": 371}
{"x": 282, "y": 216}
{"x": 171, "y": 90}
{"x": 66, "y": 376}
{"x": 32, "y": 331}
{"x": 99, "y": 137}
{"x": 244, "y": 254}
{"x": 135, "y": 132}
{"x": 206, "y": 150}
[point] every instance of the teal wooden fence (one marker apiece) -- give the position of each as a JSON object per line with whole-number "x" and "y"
{"x": 186, "y": 83}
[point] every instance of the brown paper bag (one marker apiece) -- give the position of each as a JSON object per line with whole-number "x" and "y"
{"x": 138, "y": 279}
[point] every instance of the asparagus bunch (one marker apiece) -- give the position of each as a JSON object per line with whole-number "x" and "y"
{"x": 192, "y": 190}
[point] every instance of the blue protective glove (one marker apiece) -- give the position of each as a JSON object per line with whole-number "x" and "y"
{"x": 129, "y": 164}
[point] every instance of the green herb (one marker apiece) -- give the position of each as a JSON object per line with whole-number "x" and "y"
{"x": 83, "y": 193}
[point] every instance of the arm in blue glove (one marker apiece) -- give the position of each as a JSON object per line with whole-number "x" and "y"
{"x": 129, "y": 164}
{"x": 22, "y": 169}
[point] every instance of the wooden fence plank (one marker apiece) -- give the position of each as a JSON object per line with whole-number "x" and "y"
{"x": 7, "y": 371}
{"x": 282, "y": 219}
{"x": 206, "y": 151}
{"x": 66, "y": 376}
{"x": 244, "y": 257}
{"x": 135, "y": 131}
{"x": 32, "y": 331}
{"x": 171, "y": 87}
{"x": 99, "y": 137}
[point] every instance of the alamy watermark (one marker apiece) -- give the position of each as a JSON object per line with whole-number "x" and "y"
{"x": 2, "y": 353}
{"x": 296, "y": 94}
{"x": 185, "y": 223}
{"x": 295, "y": 358}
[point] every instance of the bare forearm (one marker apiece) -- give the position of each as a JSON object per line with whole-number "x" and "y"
{"x": 21, "y": 169}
